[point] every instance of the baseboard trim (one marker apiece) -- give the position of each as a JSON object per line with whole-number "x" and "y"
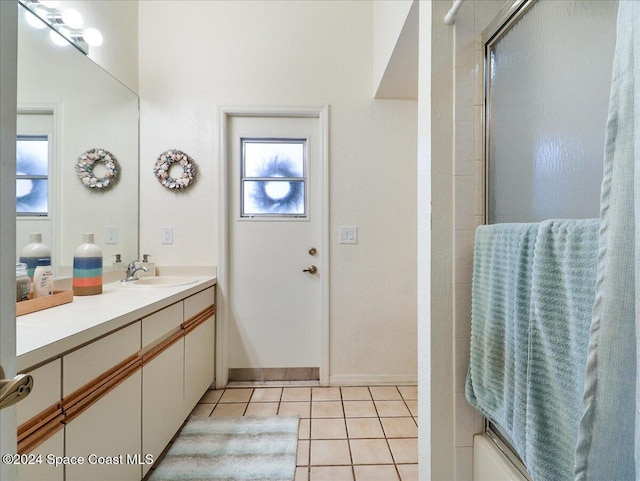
{"x": 274, "y": 374}
{"x": 372, "y": 380}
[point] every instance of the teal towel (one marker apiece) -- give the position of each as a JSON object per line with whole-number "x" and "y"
{"x": 532, "y": 297}
{"x": 562, "y": 294}
{"x": 500, "y": 312}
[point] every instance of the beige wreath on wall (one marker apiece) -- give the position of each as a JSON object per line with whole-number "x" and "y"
{"x": 86, "y": 163}
{"x": 178, "y": 159}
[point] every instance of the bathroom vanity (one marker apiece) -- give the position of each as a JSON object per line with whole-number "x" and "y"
{"x": 115, "y": 376}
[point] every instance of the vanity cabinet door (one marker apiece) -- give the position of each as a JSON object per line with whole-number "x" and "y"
{"x": 199, "y": 349}
{"x": 107, "y": 436}
{"x": 39, "y": 416}
{"x": 54, "y": 446}
{"x": 199, "y": 359}
{"x": 102, "y": 402}
{"x": 162, "y": 399}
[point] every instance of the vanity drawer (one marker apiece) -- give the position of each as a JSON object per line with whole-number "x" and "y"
{"x": 157, "y": 325}
{"x": 199, "y": 302}
{"x": 45, "y": 393}
{"x": 91, "y": 361}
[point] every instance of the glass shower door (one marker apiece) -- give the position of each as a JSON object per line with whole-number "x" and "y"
{"x": 548, "y": 76}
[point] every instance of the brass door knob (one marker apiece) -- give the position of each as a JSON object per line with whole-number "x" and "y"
{"x": 310, "y": 269}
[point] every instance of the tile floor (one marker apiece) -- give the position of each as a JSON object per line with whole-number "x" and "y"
{"x": 346, "y": 433}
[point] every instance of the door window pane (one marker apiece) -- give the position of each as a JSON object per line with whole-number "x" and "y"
{"x": 267, "y": 159}
{"x": 274, "y": 178}
{"x": 32, "y": 170}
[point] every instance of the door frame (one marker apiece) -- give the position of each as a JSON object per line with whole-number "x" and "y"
{"x": 8, "y": 107}
{"x": 320, "y": 113}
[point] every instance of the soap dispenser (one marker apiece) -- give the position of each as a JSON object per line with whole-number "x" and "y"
{"x": 151, "y": 266}
{"x": 117, "y": 263}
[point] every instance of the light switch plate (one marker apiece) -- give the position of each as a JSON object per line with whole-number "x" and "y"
{"x": 348, "y": 234}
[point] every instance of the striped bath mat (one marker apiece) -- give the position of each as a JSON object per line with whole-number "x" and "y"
{"x": 232, "y": 449}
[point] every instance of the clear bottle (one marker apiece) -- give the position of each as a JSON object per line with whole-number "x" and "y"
{"x": 23, "y": 283}
{"x": 43, "y": 279}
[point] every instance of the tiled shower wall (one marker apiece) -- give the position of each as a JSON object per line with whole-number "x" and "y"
{"x": 468, "y": 187}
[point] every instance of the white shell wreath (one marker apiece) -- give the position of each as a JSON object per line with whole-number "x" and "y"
{"x": 164, "y": 163}
{"x": 87, "y": 161}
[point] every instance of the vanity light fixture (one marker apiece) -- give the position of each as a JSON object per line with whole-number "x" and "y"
{"x": 72, "y": 18}
{"x": 68, "y": 23}
{"x": 93, "y": 37}
{"x": 58, "y": 38}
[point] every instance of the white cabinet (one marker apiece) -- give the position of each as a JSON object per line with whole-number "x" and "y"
{"x": 162, "y": 379}
{"x": 199, "y": 347}
{"x": 46, "y": 391}
{"x": 44, "y": 470}
{"x": 103, "y": 413}
{"x": 92, "y": 361}
{"x": 105, "y": 434}
{"x": 39, "y": 424}
{"x": 120, "y": 397}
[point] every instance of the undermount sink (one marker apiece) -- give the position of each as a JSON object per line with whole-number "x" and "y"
{"x": 160, "y": 281}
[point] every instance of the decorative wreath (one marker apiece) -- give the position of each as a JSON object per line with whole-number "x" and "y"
{"x": 164, "y": 163}
{"x": 86, "y": 163}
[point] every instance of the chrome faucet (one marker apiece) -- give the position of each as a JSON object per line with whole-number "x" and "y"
{"x": 131, "y": 271}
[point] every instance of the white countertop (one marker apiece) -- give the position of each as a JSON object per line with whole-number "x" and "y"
{"x": 47, "y": 334}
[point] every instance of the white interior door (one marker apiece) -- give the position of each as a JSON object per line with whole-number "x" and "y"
{"x": 277, "y": 254}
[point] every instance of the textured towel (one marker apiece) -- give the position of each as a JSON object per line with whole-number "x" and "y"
{"x": 500, "y": 312}
{"x": 562, "y": 295}
{"x": 533, "y": 291}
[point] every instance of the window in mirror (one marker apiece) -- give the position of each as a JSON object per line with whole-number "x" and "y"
{"x": 32, "y": 175}
{"x": 273, "y": 178}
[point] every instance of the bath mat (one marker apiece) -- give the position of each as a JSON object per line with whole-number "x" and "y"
{"x": 232, "y": 449}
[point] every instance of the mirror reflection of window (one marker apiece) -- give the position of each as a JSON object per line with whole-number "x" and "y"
{"x": 273, "y": 180}
{"x": 32, "y": 175}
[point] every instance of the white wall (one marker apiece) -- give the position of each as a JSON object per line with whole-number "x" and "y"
{"x": 389, "y": 18}
{"x": 196, "y": 56}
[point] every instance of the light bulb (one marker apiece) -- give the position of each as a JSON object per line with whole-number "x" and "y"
{"x": 72, "y": 18}
{"x": 58, "y": 39}
{"x": 33, "y": 20}
{"x": 93, "y": 37}
{"x": 50, "y": 3}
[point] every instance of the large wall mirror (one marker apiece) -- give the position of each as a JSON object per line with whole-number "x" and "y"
{"x": 67, "y": 105}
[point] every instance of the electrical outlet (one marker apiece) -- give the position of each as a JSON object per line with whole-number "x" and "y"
{"x": 111, "y": 235}
{"x": 166, "y": 235}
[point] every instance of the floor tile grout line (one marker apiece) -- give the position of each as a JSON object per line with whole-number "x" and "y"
{"x": 344, "y": 418}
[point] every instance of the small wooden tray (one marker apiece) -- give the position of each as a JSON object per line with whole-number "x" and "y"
{"x": 32, "y": 305}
